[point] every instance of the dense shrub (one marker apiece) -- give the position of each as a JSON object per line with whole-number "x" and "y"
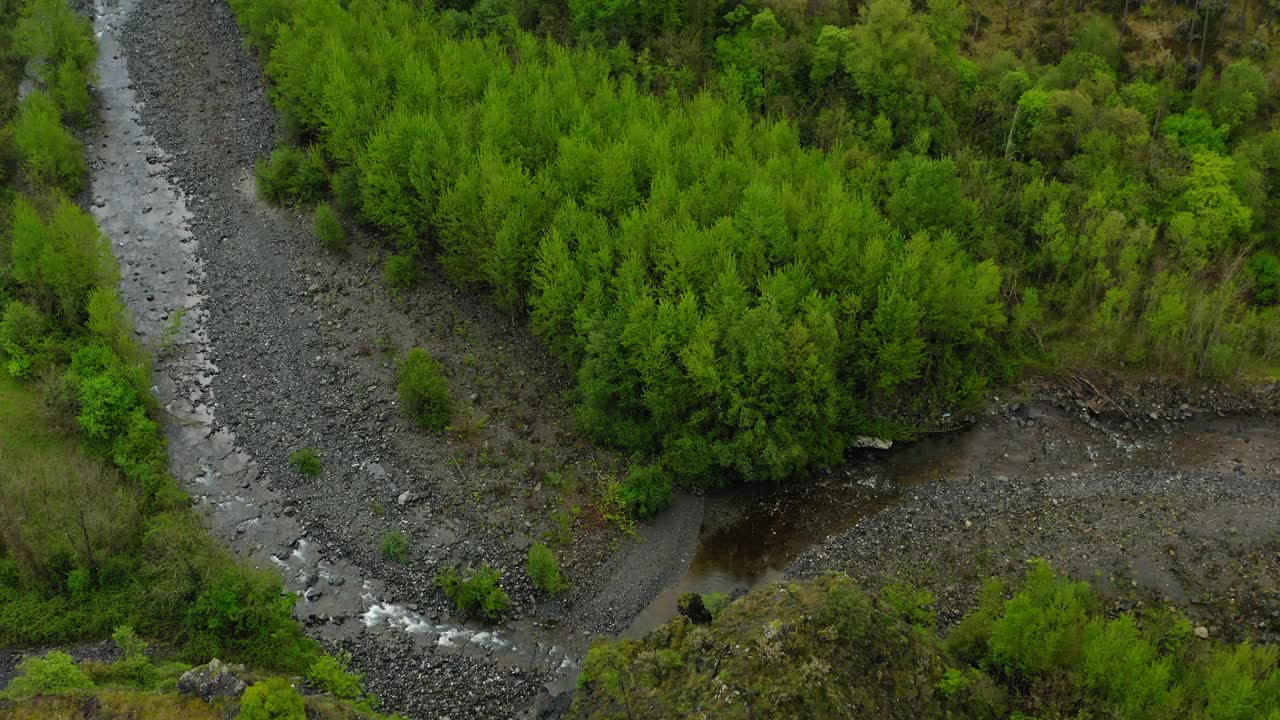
{"x": 643, "y": 493}
{"x": 328, "y": 228}
{"x": 292, "y": 175}
{"x": 134, "y": 667}
{"x": 51, "y": 33}
{"x": 107, "y": 404}
{"x": 1264, "y": 267}
{"x": 272, "y": 699}
{"x": 543, "y": 570}
{"x": 476, "y": 592}
{"x": 48, "y": 154}
{"x": 54, "y": 673}
{"x": 59, "y": 257}
{"x": 70, "y": 90}
{"x": 307, "y": 462}
{"x": 400, "y": 273}
{"x": 424, "y": 393}
{"x": 243, "y": 614}
{"x": 139, "y": 452}
{"x": 25, "y": 340}
{"x": 330, "y": 674}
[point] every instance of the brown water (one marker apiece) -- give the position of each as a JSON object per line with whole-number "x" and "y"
{"x": 749, "y": 536}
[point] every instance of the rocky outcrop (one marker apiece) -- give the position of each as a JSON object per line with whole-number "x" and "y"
{"x": 213, "y": 680}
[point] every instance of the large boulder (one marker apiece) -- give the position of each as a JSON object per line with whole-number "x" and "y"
{"x": 215, "y": 679}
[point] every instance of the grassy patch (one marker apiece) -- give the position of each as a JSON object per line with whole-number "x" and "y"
{"x": 307, "y": 462}
{"x": 395, "y": 547}
{"x": 475, "y": 591}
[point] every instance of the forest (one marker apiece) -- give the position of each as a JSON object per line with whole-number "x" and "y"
{"x": 756, "y": 232}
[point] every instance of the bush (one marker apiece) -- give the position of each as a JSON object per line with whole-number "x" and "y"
{"x": 242, "y": 614}
{"x": 307, "y": 462}
{"x": 644, "y": 492}
{"x": 328, "y": 228}
{"x": 272, "y": 699}
{"x": 395, "y": 547}
{"x": 1264, "y": 269}
{"x": 51, "y": 33}
{"x": 292, "y": 175}
{"x": 48, "y": 675}
{"x": 134, "y": 668}
{"x": 107, "y": 402}
{"x": 400, "y": 273}
{"x": 543, "y": 569}
{"x": 330, "y": 674}
{"x": 49, "y": 156}
{"x": 478, "y": 593}
{"x": 139, "y": 452}
{"x": 424, "y": 393}
{"x": 70, "y": 91}
{"x": 25, "y": 340}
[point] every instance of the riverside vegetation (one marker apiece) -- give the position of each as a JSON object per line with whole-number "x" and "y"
{"x": 756, "y": 231}
{"x": 97, "y": 539}
{"x": 824, "y": 649}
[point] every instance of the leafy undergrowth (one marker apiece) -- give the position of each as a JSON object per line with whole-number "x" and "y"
{"x": 113, "y": 704}
{"x": 824, "y": 649}
{"x": 133, "y": 704}
{"x": 138, "y": 685}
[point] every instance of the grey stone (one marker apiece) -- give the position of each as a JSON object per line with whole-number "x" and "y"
{"x": 213, "y": 680}
{"x": 866, "y": 441}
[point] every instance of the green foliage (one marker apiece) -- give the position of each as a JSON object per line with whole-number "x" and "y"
{"x": 746, "y": 277}
{"x": 328, "y": 228}
{"x": 330, "y": 674}
{"x": 98, "y": 548}
{"x": 543, "y": 569}
{"x": 913, "y": 606}
{"x": 1240, "y": 92}
{"x": 805, "y": 650}
{"x": 135, "y": 667}
{"x": 1264, "y": 269}
{"x": 293, "y": 175}
{"x": 107, "y": 404}
{"x": 307, "y": 462}
{"x": 1041, "y": 625}
{"x": 50, "y": 157}
{"x": 50, "y": 33}
{"x": 1194, "y": 130}
{"x": 272, "y": 699}
{"x": 424, "y": 392}
{"x": 70, "y": 90}
{"x": 395, "y": 547}
{"x": 475, "y": 591}
{"x": 400, "y": 273}
{"x": 54, "y": 673}
{"x": 243, "y": 614}
{"x": 26, "y": 340}
{"x": 643, "y": 493}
